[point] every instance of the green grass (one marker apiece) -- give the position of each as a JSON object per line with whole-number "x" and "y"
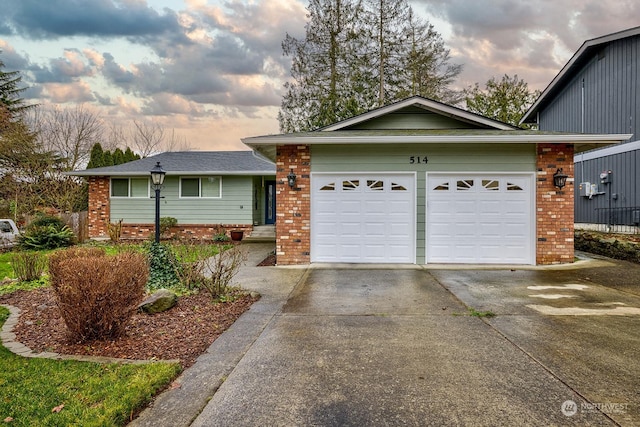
{"x": 6, "y": 270}
{"x": 475, "y": 313}
{"x": 92, "y": 394}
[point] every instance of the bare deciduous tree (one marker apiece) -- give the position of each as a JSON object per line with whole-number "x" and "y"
{"x": 69, "y": 133}
{"x": 147, "y": 137}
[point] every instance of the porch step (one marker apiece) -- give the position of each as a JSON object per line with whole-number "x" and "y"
{"x": 262, "y": 233}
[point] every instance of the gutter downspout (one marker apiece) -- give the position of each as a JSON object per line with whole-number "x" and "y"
{"x": 582, "y": 108}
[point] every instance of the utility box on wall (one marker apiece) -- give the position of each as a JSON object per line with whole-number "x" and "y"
{"x": 585, "y": 189}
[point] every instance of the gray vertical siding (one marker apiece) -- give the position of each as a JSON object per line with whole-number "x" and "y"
{"x": 625, "y": 181}
{"x": 611, "y": 79}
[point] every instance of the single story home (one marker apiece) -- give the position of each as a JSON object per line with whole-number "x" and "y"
{"x": 422, "y": 182}
{"x": 208, "y": 192}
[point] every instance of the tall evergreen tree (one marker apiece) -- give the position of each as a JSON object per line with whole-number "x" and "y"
{"x": 100, "y": 158}
{"x": 95, "y": 157}
{"x": 130, "y": 156}
{"x": 425, "y": 69}
{"x": 320, "y": 92}
{"x": 354, "y": 58}
{"x": 10, "y": 91}
{"x": 118, "y": 157}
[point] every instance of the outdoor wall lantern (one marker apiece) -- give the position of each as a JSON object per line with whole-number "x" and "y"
{"x": 291, "y": 179}
{"x": 157, "y": 179}
{"x": 559, "y": 179}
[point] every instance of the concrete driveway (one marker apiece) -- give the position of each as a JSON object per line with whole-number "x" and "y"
{"x": 397, "y": 347}
{"x": 345, "y": 346}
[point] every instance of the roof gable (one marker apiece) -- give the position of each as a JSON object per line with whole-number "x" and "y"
{"x": 417, "y": 112}
{"x": 571, "y": 68}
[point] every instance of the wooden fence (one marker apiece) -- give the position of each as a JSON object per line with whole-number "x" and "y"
{"x": 78, "y": 222}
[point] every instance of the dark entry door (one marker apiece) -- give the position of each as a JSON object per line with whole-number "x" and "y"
{"x": 270, "y": 205}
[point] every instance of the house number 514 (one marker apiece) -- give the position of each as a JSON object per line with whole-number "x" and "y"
{"x": 418, "y": 159}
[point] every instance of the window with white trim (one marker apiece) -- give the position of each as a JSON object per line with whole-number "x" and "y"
{"x": 209, "y": 187}
{"x": 130, "y": 187}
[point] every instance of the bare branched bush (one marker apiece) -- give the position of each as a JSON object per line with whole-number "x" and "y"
{"x": 114, "y": 230}
{"x": 191, "y": 263}
{"x": 28, "y": 266}
{"x": 97, "y": 294}
{"x": 223, "y": 268}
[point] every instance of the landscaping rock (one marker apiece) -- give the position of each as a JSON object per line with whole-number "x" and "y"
{"x": 159, "y": 301}
{"x": 619, "y": 247}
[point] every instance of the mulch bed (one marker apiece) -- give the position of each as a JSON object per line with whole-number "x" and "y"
{"x": 268, "y": 261}
{"x": 183, "y": 332}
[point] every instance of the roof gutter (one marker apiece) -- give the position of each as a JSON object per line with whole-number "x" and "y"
{"x": 600, "y": 139}
{"x": 88, "y": 172}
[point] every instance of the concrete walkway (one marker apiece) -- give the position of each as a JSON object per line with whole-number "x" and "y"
{"x": 335, "y": 345}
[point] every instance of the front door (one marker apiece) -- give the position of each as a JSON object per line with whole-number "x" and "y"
{"x": 270, "y": 204}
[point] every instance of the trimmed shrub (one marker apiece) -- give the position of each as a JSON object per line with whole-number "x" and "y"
{"x": 97, "y": 294}
{"x": 46, "y": 232}
{"x": 28, "y": 266}
{"x": 166, "y": 223}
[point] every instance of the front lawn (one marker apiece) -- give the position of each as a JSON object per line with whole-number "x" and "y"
{"x": 47, "y": 392}
{"x": 6, "y": 270}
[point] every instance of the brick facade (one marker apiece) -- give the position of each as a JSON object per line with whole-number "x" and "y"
{"x": 99, "y": 209}
{"x": 184, "y": 231}
{"x": 554, "y": 207}
{"x": 293, "y": 216}
{"x": 554, "y": 216}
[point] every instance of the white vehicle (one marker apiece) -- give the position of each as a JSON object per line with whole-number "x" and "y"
{"x": 8, "y": 233}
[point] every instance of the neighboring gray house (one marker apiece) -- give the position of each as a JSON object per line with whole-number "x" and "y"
{"x": 206, "y": 191}
{"x": 597, "y": 92}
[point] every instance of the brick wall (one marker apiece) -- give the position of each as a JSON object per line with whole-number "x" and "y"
{"x": 99, "y": 209}
{"x": 293, "y": 217}
{"x": 184, "y": 231}
{"x": 554, "y": 216}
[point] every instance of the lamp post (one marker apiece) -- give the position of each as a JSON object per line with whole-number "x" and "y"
{"x": 157, "y": 179}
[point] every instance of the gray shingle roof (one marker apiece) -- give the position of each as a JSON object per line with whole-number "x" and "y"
{"x": 191, "y": 163}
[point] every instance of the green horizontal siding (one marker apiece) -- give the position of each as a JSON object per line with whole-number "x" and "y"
{"x": 234, "y": 207}
{"x": 417, "y": 120}
{"x": 441, "y": 158}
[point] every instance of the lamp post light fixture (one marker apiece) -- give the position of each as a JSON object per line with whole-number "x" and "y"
{"x": 157, "y": 179}
{"x": 559, "y": 179}
{"x": 291, "y": 179}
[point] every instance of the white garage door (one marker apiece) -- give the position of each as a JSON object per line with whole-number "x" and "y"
{"x": 483, "y": 219}
{"x": 363, "y": 218}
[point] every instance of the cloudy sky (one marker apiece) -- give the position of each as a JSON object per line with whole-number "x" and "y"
{"x": 213, "y": 70}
